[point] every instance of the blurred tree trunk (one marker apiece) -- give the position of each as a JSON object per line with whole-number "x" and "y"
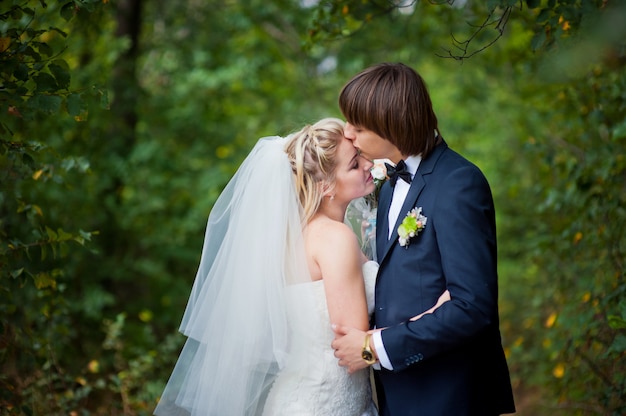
{"x": 121, "y": 133}
{"x": 124, "y": 82}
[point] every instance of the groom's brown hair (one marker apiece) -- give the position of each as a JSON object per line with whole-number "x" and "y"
{"x": 392, "y": 100}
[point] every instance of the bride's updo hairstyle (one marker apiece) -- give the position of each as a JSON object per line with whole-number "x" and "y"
{"x": 313, "y": 155}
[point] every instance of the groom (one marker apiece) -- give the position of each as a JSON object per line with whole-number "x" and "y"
{"x": 449, "y": 362}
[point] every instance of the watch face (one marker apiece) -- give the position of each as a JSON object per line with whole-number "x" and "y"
{"x": 367, "y": 355}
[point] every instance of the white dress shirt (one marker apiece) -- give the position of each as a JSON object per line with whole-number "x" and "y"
{"x": 400, "y": 192}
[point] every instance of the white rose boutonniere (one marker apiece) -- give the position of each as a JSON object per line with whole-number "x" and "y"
{"x": 412, "y": 224}
{"x": 379, "y": 174}
{"x": 379, "y": 171}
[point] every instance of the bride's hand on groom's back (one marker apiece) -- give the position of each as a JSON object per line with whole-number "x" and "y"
{"x": 445, "y": 296}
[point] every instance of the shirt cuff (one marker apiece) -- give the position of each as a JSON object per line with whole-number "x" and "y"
{"x": 380, "y": 351}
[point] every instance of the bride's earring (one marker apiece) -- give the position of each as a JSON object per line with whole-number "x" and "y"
{"x": 332, "y": 197}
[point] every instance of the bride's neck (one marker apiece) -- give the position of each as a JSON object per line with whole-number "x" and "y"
{"x": 332, "y": 209}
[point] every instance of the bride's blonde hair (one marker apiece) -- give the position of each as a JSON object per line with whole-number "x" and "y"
{"x": 313, "y": 155}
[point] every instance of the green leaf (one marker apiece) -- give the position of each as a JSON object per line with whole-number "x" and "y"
{"x": 538, "y": 40}
{"x": 619, "y": 344}
{"x": 85, "y": 235}
{"x": 59, "y": 31}
{"x": 44, "y": 280}
{"x": 104, "y": 99}
{"x": 61, "y": 74}
{"x": 32, "y": 53}
{"x": 51, "y": 234}
{"x": 533, "y": 4}
{"x": 617, "y": 322}
{"x": 492, "y": 4}
{"x": 619, "y": 132}
{"x": 63, "y": 235}
{"x": 49, "y": 103}
{"x": 74, "y": 104}
{"x": 16, "y": 13}
{"x": 17, "y": 272}
{"x": 67, "y": 11}
{"x": 63, "y": 247}
{"x": 28, "y": 160}
{"x": 44, "y": 49}
{"x": 46, "y": 82}
{"x": 544, "y": 15}
{"x": 21, "y": 72}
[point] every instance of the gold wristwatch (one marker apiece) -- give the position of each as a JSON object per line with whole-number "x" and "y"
{"x": 367, "y": 353}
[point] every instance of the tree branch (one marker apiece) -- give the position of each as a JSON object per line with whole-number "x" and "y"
{"x": 499, "y": 24}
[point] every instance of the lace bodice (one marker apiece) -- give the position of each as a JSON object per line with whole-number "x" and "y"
{"x": 312, "y": 383}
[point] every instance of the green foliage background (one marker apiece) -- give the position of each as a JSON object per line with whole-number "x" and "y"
{"x": 120, "y": 123}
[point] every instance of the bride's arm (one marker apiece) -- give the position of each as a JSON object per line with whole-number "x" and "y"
{"x": 340, "y": 262}
{"x": 445, "y": 296}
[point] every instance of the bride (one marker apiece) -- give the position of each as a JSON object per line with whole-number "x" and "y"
{"x": 278, "y": 266}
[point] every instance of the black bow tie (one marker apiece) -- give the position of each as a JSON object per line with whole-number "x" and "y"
{"x": 399, "y": 170}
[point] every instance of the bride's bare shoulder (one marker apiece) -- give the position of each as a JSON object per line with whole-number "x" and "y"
{"x": 327, "y": 239}
{"x": 326, "y": 229}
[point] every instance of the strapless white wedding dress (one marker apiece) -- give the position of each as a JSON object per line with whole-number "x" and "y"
{"x": 312, "y": 383}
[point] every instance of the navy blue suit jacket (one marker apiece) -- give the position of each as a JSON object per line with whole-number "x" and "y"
{"x": 450, "y": 362}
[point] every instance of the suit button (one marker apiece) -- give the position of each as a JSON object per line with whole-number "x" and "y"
{"x": 414, "y": 359}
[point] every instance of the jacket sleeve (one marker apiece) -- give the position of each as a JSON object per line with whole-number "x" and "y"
{"x": 462, "y": 218}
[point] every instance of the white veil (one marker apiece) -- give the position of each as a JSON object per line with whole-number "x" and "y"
{"x": 235, "y": 320}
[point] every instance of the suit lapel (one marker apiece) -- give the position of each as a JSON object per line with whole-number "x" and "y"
{"x": 417, "y": 185}
{"x": 382, "y": 220}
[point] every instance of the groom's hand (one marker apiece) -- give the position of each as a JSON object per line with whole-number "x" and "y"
{"x": 348, "y": 345}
